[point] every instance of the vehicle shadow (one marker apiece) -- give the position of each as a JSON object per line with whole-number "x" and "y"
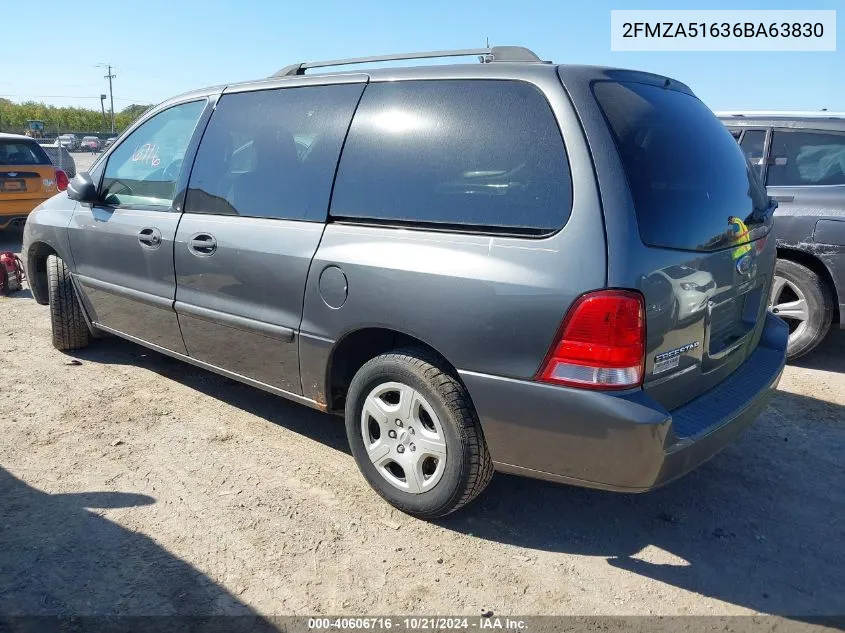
{"x": 24, "y": 293}
{"x": 759, "y": 526}
{"x": 59, "y": 558}
{"x": 326, "y": 429}
{"x": 829, "y": 355}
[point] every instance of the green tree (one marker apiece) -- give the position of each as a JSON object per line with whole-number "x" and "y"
{"x": 60, "y": 120}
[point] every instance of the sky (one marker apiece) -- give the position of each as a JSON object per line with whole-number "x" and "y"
{"x": 160, "y": 48}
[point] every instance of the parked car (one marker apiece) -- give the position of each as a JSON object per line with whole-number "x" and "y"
{"x": 67, "y": 164}
{"x": 109, "y": 142}
{"x": 69, "y": 141}
{"x": 90, "y": 144}
{"x": 27, "y": 178}
{"x": 449, "y": 262}
{"x": 691, "y": 290}
{"x": 801, "y": 158}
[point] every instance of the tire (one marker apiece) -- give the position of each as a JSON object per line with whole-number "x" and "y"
{"x": 466, "y": 467}
{"x": 795, "y": 284}
{"x": 70, "y": 331}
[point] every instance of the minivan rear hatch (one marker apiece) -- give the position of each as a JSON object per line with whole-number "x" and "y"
{"x": 703, "y": 259}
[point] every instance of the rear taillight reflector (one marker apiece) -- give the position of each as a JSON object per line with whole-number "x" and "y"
{"x": 600, "y": 344}
{"x": 61, "y": 180}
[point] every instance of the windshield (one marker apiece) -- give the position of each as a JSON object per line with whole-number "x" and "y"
{"x": 691, "y": 185}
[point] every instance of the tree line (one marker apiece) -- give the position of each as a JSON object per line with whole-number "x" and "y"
{"x": 60, "y": 120}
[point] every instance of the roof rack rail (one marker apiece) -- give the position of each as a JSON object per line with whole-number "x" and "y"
{"x": 804, "y": 114}
{"x": 486, "y": 55}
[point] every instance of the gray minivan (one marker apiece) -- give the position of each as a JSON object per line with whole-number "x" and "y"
{"x": 509, "y": 265}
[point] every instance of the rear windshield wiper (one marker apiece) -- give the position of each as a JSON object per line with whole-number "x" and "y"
{"x": 764, "y": 214}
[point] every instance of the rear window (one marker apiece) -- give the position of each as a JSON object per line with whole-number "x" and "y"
{"x": 22, "y": 153}
{"x": 689, "y": 179}
{"x": 486, "y": 155}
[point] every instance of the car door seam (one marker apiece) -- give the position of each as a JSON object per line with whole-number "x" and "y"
{"x": 298, "y": 331}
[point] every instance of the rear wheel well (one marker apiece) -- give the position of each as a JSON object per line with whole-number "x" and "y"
{"x": 36, "y": 270}
{"x": 356, "y": 348}
{"x": 817, "y": 266}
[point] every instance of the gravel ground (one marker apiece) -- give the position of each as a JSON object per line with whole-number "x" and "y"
{"x": 83, "y": 160}
{"x": 131, "y": 483}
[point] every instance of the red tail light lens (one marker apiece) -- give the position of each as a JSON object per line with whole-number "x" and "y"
{"x": 61, "y": 180}
{"x": 600, "y": 344}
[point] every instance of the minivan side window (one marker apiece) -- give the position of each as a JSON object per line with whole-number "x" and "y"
{"x": 806, "y": 158}
{"x": 753, "y": 145}
{"x": 144, "y": 168}
{"x": 482, "y": 154}
{"x": 272, "y": 153}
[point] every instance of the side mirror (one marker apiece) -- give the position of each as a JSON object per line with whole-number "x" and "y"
{"x": 82, "y": 188}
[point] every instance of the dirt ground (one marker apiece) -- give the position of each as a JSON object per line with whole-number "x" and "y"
{"x": 131, "y": 483}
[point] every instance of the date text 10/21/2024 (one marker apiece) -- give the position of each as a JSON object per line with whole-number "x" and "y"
{"x": 417, "y": 623}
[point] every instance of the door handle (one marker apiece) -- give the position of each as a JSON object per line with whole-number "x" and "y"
{"x": 202, "y": 244}
{"x": 149, "y": 237}
{"x": 783, "y": 198}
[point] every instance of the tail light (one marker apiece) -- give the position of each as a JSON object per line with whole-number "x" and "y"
{"x": 61, "y": 180}
{"x": 600, "y": 344}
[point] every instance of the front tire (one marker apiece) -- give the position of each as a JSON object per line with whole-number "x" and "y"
{"x": 415, "y": 435}
{"x": 70, "y": 331}
{"x": 801, "y": 298}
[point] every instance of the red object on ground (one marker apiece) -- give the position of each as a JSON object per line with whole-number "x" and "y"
{"x": 11, "y": 273}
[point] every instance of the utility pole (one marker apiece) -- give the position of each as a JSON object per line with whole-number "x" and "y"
{"x": 103, "y": 110}
{"x": 111, "y": 76}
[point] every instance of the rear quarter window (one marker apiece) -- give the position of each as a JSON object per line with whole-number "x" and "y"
{"x": 688, "y": 178}
{"x": 478, "y": 154}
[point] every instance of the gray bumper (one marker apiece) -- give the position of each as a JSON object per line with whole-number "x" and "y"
{"x": 626, "y": 441}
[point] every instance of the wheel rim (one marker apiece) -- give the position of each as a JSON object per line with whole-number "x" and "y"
{"x": 403, "y": 437}
{"x": 790, "y": 303}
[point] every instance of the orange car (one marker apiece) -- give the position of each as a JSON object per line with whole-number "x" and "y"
{"x": 27, "y": 178}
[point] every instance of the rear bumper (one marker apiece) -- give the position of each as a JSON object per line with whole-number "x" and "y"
{"x": 625, "y": 441}
{"x": 11, "y": 210}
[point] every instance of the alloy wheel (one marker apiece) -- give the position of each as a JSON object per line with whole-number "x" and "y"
{"x": 790, "y": 303}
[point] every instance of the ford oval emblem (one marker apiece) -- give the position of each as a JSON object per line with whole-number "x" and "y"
{"x": 744, "y": 265}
